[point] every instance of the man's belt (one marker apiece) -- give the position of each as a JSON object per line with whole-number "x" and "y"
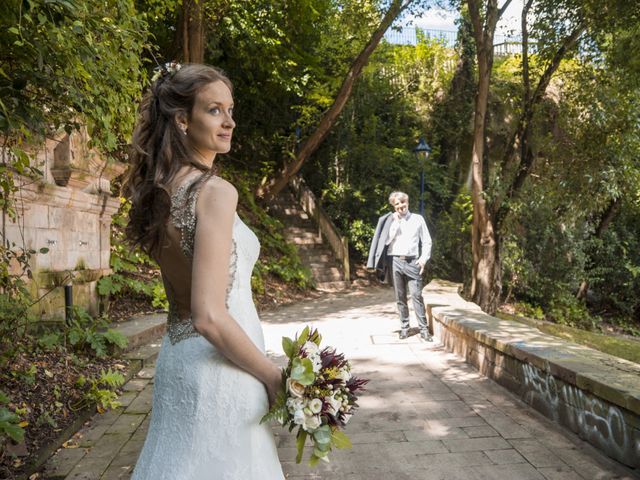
{"x": 405, "y": 258}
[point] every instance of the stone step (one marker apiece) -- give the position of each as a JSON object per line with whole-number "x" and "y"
{"x": 324, "y": 278}
{"x": 319, "y": 258}
{"x": 336, "y": 286}
{"x": 289, "y": 211}
{"x": 314, "y": 254}
{"x": 306, "y": 240}
{"x": 142, "y": 329}
{"x": 145, "y": 354}
{"x": 330, "y": 264}
{"x": 295, "y": 232}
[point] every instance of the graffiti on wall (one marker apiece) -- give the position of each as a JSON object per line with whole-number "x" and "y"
{"x": 599, "y": 422}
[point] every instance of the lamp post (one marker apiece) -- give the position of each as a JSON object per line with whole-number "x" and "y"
{"x": 422, "y": 152}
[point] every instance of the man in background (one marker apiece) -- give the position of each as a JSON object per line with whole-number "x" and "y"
{"x": 404, "y": 238}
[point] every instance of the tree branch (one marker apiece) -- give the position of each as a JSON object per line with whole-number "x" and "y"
{"x": 276, "y": 184}
{"x": 520, "y": 137}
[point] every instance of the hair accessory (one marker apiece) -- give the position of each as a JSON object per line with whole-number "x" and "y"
{"x": 169, "y": 69}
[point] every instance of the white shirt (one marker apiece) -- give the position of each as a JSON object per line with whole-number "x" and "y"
{"x": 405, "y": 235}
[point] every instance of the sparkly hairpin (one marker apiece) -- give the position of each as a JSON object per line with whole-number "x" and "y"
{"x": 169, "y": 69}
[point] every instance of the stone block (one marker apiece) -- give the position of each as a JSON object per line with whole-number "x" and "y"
{"x": 37, "y": 216}
{"x": 126, "y": 423}
{"x": 89, "y": 436}
{"x": 504, "y": 457}
{"x": 480, "y": 432}
{"x": 64, "y": 218}
{"x": 142, "y": 403}
{"x": 521, "y": 471}
{"x": 434, "y": 432}
{"x": 63, "y": 462}
{"x": 506, "y": 427}
{"x": 475, "y": 444}
{"x": 559, "y": 473}
{"x": 454, "y": 459}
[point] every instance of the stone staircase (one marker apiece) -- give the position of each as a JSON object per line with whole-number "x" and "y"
{"x": 315, "y": 254}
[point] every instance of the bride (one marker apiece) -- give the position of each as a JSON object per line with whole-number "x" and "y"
{"x": 213, "y": 380}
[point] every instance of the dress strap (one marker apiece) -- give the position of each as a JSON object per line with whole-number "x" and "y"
{"x": 183, "y": 214}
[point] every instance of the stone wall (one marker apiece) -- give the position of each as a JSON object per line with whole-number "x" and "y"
{"x": 69, "y": 212}
{"x": 595, "y": 395}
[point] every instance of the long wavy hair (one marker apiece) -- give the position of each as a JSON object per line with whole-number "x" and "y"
{"x": 160, "y": 150}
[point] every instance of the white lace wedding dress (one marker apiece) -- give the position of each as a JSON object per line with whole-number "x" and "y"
{"x": 205, "y": 421}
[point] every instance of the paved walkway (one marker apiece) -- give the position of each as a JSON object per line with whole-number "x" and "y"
{"x": 426, "y": 415}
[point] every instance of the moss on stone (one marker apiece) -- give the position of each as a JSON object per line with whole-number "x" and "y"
{"x": 621, "y": 347}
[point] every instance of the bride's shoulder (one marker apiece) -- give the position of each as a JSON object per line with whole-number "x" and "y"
{"x": 218, "y": 192}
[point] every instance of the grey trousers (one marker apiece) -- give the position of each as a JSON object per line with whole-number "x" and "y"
{"x": 407, "y": 274}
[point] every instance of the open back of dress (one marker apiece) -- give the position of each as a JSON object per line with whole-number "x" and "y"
{"x": 205, "y": 421}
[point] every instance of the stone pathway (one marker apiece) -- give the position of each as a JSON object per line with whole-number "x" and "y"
{"x": 426, "y": 414}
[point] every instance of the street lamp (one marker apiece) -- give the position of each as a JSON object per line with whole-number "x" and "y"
{"x": 422, "y": 152}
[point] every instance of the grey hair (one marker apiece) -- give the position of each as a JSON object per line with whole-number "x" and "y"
{"x": 400, "y": 195}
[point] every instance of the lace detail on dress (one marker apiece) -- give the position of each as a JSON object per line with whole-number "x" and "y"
{"x": 183, "y": 216}
{"x": 178, "y": 329}
{"x": 233, "y": 266}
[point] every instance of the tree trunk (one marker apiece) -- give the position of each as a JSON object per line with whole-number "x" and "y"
{"x": 486, "y": 277}
{"x": 277, "y": 183}
{"x": 192, "y": 29}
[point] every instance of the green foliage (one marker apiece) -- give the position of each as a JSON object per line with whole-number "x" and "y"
{"x": 9, "y": 423}
{"x": 135, "y": 273}
{"x": 277, "y": 257}
{"x": 15, "y": 297}
{"x": 451, "y": 252}
{"x": 567, "y": 310}
{"x": 376, "y": 133}
{"x": 286, "y": 60}
{"x": 101, "y": 391}
{"x": 66, "y": 62}
{"x": 360, "y": 235}
{"x": 86, "y": 333}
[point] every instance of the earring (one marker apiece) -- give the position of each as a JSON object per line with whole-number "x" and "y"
{"x": 184, "y": 129}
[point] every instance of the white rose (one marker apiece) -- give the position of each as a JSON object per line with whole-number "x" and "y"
{"x": 334, "y": 404}
{"x": 294, "y": 404}
{"x": 311, "y": 348}
{"x": 346, "y": 417}
{"x": 295, "y": 388}
{"x": 315, "y": 405}
{"x": 316, "y": 363}
{"x": 299, "y": 418}
{"x": 344, "y": 374}
{"x": 312, "y": 423}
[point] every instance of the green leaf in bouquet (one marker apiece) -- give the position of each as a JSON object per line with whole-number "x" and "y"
{"x": 302, "y": 371}
{"x": 313, "y": 461}
{"x": 289, "y": 347}
{"x": 304, "y": 336}
{"x": 340, "y": 440}
{"x": 300, "y": 439}
{"x": 278, "y": 410}
{"x": 322, "y": 437}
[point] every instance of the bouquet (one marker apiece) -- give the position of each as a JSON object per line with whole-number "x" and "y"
{"x": 318, "y": 395}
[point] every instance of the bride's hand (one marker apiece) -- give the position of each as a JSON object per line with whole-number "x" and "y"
{"x": 274, "y": 384}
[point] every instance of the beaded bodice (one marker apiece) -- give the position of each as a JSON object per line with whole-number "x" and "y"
{"x": 183, "y": 217}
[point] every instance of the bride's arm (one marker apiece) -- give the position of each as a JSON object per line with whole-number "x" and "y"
{"x": 215, "y": 211}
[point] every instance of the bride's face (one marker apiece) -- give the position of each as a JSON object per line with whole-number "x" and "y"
{"x": 210, "y": 126}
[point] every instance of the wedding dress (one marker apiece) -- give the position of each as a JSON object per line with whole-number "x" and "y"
{"x": 205, "y": 421}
